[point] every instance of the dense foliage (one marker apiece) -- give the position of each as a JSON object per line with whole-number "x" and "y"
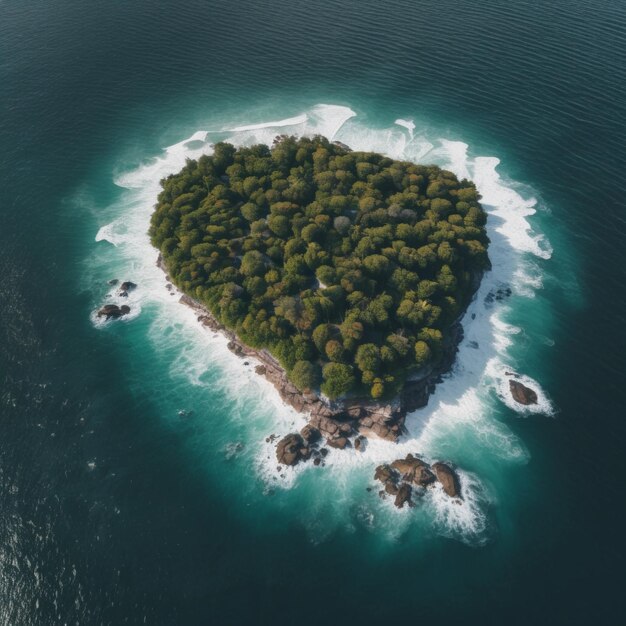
{"x": 349, "y": 267}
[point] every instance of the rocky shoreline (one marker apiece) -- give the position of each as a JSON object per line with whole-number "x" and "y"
{"x": 349, "y": 423}
{"x": 340, "y": 420}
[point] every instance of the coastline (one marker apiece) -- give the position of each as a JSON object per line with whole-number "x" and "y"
{"x": 338, "y": 420}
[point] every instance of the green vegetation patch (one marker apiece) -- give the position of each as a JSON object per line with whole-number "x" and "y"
{"x": 349, "y": 267}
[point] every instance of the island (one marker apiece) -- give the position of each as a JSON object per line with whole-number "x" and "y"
{"x": 345, "y": 274}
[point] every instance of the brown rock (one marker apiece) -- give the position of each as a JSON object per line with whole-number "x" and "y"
{"x": 289, "y": 449}
{"x": 235, "y": 348}
{"x": 113, "y": 311}
{"x": 405, "y": 467}
{"x": 384, "y": 473}
{"x": 355, "y": 412}
{"x": 391, "y": 488}
{"x": 345, "y": 428}
{"x": 448, "y": 479}
{"x": 297, "y": 402}
{"x": 403, "y": 495}
{"x": 310, "y": 434}
{"x": 423, "y": 476}
{"x": 414, "y": 470}
{"x": 127, "y": 285}
{"x": 338, "y": 442}
{"x": 521, "y": 393}
{"x": 260, "y": 370}
{"x": 359, "y": 443}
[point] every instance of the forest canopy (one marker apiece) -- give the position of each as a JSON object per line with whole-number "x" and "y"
{"x": 349, "y": 267}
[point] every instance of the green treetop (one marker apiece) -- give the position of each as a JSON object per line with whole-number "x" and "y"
{"x": 349, "y": 267}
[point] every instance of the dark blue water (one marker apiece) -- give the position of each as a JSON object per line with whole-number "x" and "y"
{"x": 114, "y": 510}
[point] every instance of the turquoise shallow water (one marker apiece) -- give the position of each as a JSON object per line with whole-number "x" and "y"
{"x": 115, "y": 509}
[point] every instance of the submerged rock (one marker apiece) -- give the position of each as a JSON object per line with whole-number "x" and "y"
{"x": 127, "y": 286}
{"x": 521, "y": 393}
{"x": 113, "y": 311}
{"x": 448, "y": 479}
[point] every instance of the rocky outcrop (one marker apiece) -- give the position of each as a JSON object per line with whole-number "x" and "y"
{"x": 338, "y": 442}
{"x": 414, "y": 470}
{"x": 310, "y": 434}
{"x": 401, "y": 476}
{"x": 448, "y": 479}
{"x": 113, "y": 311}
{"x": 127, "y": 285}
{"x": 403, "y": 495}
{"x": 292, "y": 449}
{"x": 342, "y": 145}
{"x": 521, "y": 393}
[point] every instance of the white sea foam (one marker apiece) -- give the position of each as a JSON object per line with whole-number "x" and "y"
{"x": 459, "y": 422}
{"x": 408, "y": 124}
{"x": 292, "y": 121}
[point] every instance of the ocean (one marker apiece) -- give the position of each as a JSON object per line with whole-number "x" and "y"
{"x": 137, "y": 484}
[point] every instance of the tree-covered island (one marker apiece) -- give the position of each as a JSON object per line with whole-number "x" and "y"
{"x": 350, "y": 268}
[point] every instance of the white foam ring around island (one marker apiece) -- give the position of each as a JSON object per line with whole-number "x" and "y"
{"x": 458, "y": 425}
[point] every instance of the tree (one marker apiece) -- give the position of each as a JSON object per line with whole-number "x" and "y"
{"x": 342, "y": 224}
{"x": 253, "y": 263}
{"x": 334, "y": 350}
{"x": 306, "y": 375}
{"x": 280, "y": 225}
{"x": 422, "y": 353}
{"x": 377, "y": 265}
{"x": 251, "y": 211}
{"x": 338, "y": 380}
{"x": 368, "y": 357}
{"x": 378, "y": 389}
{"x": 321, "y": 336}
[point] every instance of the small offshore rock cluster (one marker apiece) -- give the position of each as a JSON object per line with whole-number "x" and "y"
{"x": 296, "y": 447}
{"x": 113, "y": 311}
{"x": 398, "y": 478}
{"x": 402, "y": 476}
